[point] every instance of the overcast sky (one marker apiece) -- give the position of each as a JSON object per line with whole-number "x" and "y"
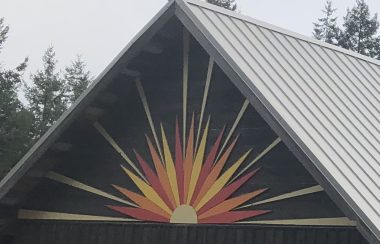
{"x": 99, "y": 29}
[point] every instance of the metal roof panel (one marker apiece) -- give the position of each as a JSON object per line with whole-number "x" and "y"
{"x": 329, "y": 97}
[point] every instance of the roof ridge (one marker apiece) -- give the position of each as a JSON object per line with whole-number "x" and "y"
{"x": 281, "y": 30}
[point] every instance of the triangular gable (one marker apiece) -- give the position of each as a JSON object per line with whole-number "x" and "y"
{"x": 195, "y": 17}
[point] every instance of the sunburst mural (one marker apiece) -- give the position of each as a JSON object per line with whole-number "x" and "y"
{"x": 189, "y": 187}
{"x": 187, "y": 181}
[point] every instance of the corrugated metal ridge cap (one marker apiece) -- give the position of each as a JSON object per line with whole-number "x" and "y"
{"x": 280, "y": 30}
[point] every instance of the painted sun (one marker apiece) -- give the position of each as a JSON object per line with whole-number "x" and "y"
{"x": 190, "y": 186}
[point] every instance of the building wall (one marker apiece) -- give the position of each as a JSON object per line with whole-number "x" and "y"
{"x": 90, "y": 233}
{"x": 82, "y": 185}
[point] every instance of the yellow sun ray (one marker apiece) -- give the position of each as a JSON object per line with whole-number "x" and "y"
{"x": 197, "y": 166}
{"x": 144, "y": 101}
{"x": 233, "y": 128}
{"x": 170, "y": 168}
{"x": 340, "y": 221}
{"x": 302, "y": 192}
{"x": 142, "y": 201}
{"x": 161, "y": 172}
{"x": 79, "y": 185}
{"x": 118, "y": 149}
{"x": 230, "y": 204}
{"x": 147, "y": 190}
{"x": 45, "y": 215}
{"x": 221, "y": 182}
{"x": 204, "y": 100}
{"x": 261, "y": 155}
{"x": 185, "y": 78}
{"x": 215, "y": 172}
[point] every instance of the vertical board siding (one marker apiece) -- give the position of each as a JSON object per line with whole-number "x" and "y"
{"x": 111, "y": 233}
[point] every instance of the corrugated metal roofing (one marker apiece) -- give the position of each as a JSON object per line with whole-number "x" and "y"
{"x": 329, "y": 97}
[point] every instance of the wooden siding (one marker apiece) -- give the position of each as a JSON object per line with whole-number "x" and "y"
{"x": 108, "y": 233}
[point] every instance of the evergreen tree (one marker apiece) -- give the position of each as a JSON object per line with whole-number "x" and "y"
{"x": 3, "y": 32}
{"x": 15, "y": 120}
{"x": 228, "y": 4}
{"x": 326, "y": 29}
{"x": 360, "y": 31}
{"x": 47, "y": 96}
{"x": 77, "y": 78}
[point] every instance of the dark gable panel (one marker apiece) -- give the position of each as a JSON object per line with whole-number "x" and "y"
{"x": 94, "y": 162}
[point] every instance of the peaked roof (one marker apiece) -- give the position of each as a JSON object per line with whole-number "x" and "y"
{"x": 323, "y": 101}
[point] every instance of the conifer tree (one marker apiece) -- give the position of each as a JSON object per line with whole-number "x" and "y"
{"x": 326, "y": 29}
{"x": 15, "y": 120}
{"x": 228, "y": 4}
{"x": 3, "y": 32}
{"x": 360, "y": 31}
{"x": 77, "y": 78}
{"x": 47, "y": 96}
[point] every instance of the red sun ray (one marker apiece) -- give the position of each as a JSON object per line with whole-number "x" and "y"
{"x": 142, "y": 201}
{"x": 154, "y": 181}
{"x": 206, "y": 169}
{"x": 213, "y": 175}
{"x": 179, "y": 163}
{"x": 232, "y": 216}
{"x": 226, "y": 192}
{"x": 140, "y": 214}
{"x": 230, "y": 204}
{"x": 161, "y": 172}
{"x": 188, "y": 162}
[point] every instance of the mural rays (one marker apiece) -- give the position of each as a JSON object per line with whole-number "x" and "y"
{"x": 189, "y": 180}
{"x": 76, "y": 184}
{"x": 144, "y": 101}
{"x": 298, "y": 193}
{"x": 185, "y": 81}
{"x": 183, "y": 178}
{"x": 185, "y": 195}
{"x": 113, "y": 143}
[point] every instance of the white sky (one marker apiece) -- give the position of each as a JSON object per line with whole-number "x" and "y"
{"x": 99, "y": 29}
